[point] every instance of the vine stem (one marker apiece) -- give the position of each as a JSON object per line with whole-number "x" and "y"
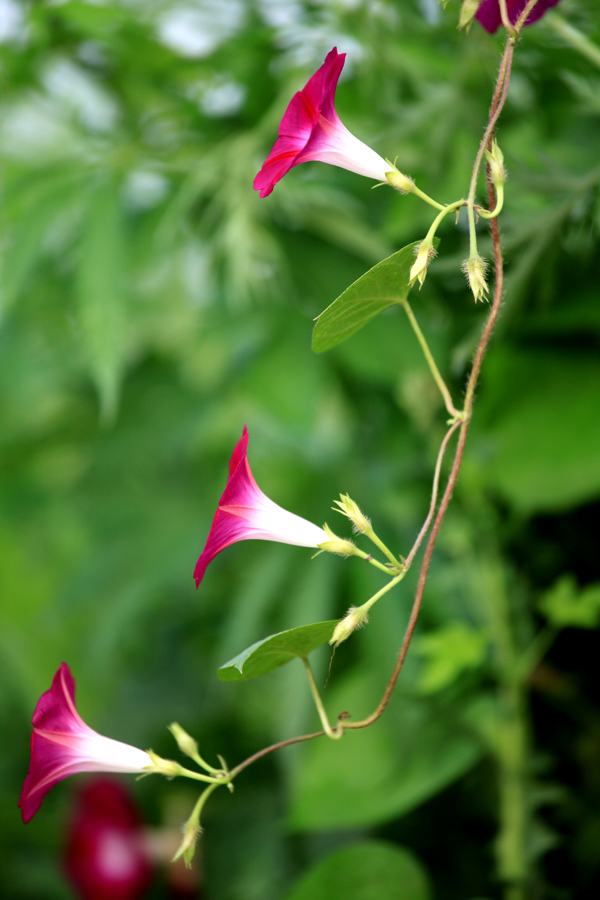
{"x": 498, "y": 101}
{"x": 510, "y": 28}
{"x": 497, "y": 104}
{"x": 525, "y": 15}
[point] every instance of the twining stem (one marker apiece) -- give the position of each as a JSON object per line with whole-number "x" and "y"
{"x": 271, "y": 749}
{"x": 498, "y": 101}
{"x": 505, "y": 20}
{"x": 524, "y": 15}
{"x": 455, "y": 413}
{"x": 334, "y": 733}
{"x": 434, "y": 494}
{"x": 573, "y": 37}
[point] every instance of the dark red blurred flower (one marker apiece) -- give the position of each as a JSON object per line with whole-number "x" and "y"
{"x": 105, "y": 857}
{"x": 488, "y": 13}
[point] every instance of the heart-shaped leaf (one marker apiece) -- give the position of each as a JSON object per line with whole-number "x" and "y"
{"x": 276, "y": 650}
{"x": 379, "y": 288}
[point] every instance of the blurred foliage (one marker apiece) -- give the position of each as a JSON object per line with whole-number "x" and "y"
{"x": 151, "y": 305}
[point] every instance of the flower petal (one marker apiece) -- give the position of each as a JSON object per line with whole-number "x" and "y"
{"x": 488, "y": 12}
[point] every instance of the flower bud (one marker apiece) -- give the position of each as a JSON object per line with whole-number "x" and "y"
{"x": 341, "y": 546}
{"x": 356, "y": 617}
{"x": 187, "y": 848}
{"x": 348, "y": 508}
{"x": 185, "y": 742}
{"x": 495, "y": 159}
{"x": 474, "y": 268}
{"x": 425, "y": 252}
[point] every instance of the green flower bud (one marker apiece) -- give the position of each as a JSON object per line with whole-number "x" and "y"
{"x": 467, "y": 13}
{"x": 495, "y": 159}
{"x": 425, "y": 252}
{"x": 185, "y": 742}
{"x": 475, "y": 268}
{"x": 349, "y": 508}
{"x": 356, "y": 617}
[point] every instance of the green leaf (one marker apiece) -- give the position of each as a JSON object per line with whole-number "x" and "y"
{"x": 565, "y": 606}
{"x": 100, "y": 289}
{"x": 449, "y": 651}
{"x": 379, "y": 288}
{"x": 276, "y": 650}
{"x": 368, "y": 870}
{"x": 376, "y": 774}
{"x": 34, "y": 210}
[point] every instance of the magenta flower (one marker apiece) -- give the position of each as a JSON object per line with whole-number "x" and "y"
{"x": 62, "y": 745}
{"x": 244, "y": 512}
{"x": 488, "y": 13}
{"x": 311, "y": 130}
{"x": 106, "y": 857}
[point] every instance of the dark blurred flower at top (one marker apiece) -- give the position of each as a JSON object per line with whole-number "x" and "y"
{"x": 105, "y": 855}
{"x": 488, "y": 12}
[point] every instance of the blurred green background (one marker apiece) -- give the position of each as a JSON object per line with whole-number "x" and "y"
{"x": 152, "y": 304}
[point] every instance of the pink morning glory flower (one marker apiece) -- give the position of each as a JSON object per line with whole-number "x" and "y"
{"x": 106, "y": 857}
{"x": 244, "y": 512}
{"x": 488, "y": 13}
{"x": 311, "y": 130}
{"x": 62, "y": 745}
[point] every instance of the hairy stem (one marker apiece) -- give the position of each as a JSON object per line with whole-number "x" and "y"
{"x": 498, "y": 101}
{"x": 524, "y": 15}
{"x": 497, "y": 104}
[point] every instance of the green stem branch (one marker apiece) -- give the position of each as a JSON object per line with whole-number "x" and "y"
{"x": 573, "y": 37}
{"x": 455, "y": 413}
{"x": 374, "y": 562}
{"x": 334, "y": 733}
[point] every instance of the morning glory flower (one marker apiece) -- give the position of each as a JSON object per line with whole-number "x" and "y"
{"x": 488, "y": 12}
{"x": 311, "y": 130}
{"x": 244, "y": 512}
{"x": 62, "y": 745}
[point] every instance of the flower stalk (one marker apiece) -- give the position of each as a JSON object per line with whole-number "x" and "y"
{"x": 337, "y": 731}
